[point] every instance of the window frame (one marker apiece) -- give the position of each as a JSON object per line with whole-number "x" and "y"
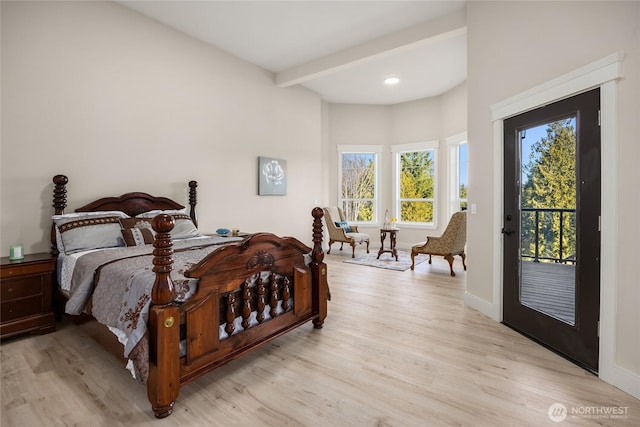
{"x": 453, "y": 143}
{"x": 376, "y": 150}
{"x": 396, "y": 151}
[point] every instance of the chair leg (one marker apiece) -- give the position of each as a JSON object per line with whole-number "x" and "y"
{"x": 429, "y": 258}
{"x": 353, "y": 250}
{"x": 464, "y": 257}
{"x": 413, "y": 259}
{"x": 330, "y": 243}
{"x": 449, "y": 258}
{"x": 367, "y": 246}
{"x": 341, "y": 245}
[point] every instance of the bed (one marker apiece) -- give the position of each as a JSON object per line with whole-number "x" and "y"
{"x": 185, "y": 305}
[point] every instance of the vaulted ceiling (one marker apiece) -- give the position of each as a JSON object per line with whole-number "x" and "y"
{"x": 342, "y": 50}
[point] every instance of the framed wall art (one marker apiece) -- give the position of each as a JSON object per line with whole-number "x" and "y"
{"x": 272, "y": 177}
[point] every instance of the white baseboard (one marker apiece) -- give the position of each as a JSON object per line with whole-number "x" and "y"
{"x": 622, "y": 379}
{"x": 483, "y": 306}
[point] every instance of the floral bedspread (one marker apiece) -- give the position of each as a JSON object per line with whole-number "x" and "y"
{"x": 122, "y": 283}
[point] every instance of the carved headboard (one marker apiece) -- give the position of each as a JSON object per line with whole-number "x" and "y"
{"x": 130, "y": 203}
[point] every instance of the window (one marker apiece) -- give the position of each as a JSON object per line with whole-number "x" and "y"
{"x": 458, "y": 172}
{"x": 415, "y": 189}
{"x": 358, "y": 182}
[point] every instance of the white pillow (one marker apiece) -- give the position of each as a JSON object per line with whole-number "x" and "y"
{"x": 80, "y": 231}
{"x": 90, "y": 233}
{"x": 184, "y": 228}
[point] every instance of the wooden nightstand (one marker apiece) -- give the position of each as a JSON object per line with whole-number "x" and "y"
{"x": 26, "y": 289}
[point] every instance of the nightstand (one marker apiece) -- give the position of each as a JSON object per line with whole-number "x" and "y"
{"x": 26, "y": 289}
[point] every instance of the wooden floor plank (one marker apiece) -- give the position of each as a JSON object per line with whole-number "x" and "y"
{"x": 397, "y": 349}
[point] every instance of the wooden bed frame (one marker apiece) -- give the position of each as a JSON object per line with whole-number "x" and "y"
{"x": 223, "y": 291}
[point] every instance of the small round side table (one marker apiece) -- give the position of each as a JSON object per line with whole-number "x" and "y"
{"x": 392, "y": 236}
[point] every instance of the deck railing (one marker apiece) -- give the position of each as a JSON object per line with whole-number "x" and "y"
{"x": 565, "y": 253}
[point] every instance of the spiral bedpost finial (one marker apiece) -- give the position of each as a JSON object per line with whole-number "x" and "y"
{"x": 162, "y": 292}
{"x": 317, "y": 254}
{"x": 59, "y": 204}
{"x": 60, "y": 193}
{"x": 193, "y": 200}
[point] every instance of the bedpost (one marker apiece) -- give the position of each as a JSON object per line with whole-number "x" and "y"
{"x": 192, "y": 201}
{"x": 59, "y": 204}
{"x": 162, "y": 292}
{"x": 319, "y": 270}
{"x": 163, "y": 384}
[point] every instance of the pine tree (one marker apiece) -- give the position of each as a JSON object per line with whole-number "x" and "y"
{"x": 551, "y": 183}
{"x": 416, "y": 182}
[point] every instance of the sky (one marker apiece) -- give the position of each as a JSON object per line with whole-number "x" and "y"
{"x": 532, "y": 136}
{"x": 463, "y": 166}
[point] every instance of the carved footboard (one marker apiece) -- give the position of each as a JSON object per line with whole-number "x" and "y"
{"x": 257, "y": 289}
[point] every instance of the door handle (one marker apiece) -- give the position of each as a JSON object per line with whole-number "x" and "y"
{"x": 507, "y": 231}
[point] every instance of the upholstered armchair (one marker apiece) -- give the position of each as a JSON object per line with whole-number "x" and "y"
{"x": 340, "y": 231}
{"x": 451, "y": 242}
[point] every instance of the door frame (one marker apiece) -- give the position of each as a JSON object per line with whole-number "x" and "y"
{"x": 603, "y": 73}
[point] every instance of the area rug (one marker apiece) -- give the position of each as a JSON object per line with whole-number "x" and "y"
{"x": 386, "y": 260}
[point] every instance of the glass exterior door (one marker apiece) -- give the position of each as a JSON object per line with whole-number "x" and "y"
{"x": 551, "y": 244}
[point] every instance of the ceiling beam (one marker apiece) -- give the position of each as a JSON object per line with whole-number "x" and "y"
{"x": 428, "y": 32}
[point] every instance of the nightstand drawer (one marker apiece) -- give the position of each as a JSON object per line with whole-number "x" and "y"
{"x": 22, "y": 287}
{"x": 16, "y": 270}
{"x": 20, "y": 308}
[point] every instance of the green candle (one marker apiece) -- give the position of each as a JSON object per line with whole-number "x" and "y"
{"x": 16, "y": 252}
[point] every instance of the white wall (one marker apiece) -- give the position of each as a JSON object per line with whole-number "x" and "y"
{"x": 417, "y": 121}
{"x": 514, "y": 46}
{"x": 454, "y": 111}
{"x": 349, "y": 124}
{"x": 120, "y": 103}
{"x": 428, "y": 119}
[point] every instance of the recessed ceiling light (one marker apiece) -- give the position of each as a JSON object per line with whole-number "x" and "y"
{"x": 391, "y": 81}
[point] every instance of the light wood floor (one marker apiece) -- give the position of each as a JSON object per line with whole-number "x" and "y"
{"x": 398, "y": 349}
